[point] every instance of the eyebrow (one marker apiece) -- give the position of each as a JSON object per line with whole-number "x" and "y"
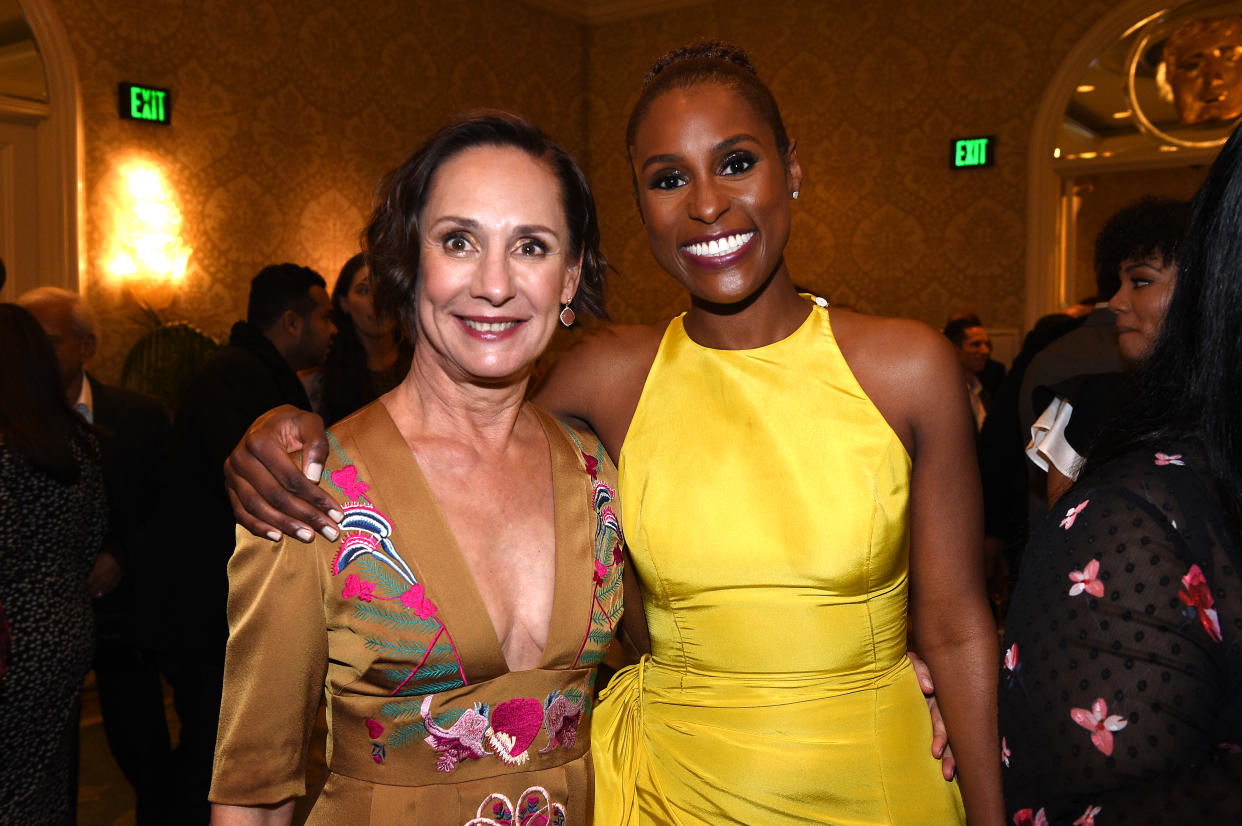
{"x": 727, "y": 143}
{"x": 471, "y": 224}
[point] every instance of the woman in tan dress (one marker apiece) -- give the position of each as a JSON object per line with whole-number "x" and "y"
{"x": 456, "y": 628}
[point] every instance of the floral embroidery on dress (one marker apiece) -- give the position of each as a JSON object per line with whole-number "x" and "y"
{"x": 360, "y": 588}
{"x": 607, "y": 572}
{"x": 514, "y": 724}
{"x": 1027, "y": 817}
{"x": 462, "y": 741}
{"x": 1087, "y": 580}
{"x": 1163, "y": 459}
{"x": 534, "y": 808}
{"x": 1072, "y": 514}
{"x": 1197, "y": 597}
{"x": 561, "y": 717}
{"x": 1100, "y": 723}
{"x": 1088, "y": 817}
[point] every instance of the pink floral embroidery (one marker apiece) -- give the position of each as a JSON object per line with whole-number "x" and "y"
{"x": 1072, "y": 514}
{"x": 1026, "y": 817}
{"x": 600, "y": 572}
{"x": 378, "y": 752}
{"x": 514, "y": 724}
{"x": 1005, "y": 752}
{"x": 1088, "y": 817}
{"x": 617, "y": 554}
{"x": 1196, "y": 594}
{"x": 1100, "y": 724}
{"x": 1163, "y": 459}
{"x": 374, "y": 728}
{"x": 561, "y": 719}
{"x": 1086, "y": 580}
{"x": 360, "y": 588}
{"x": 415, "y": 599}
{"x": 534, "y": 808}
{"x": 462, "y": 741}
{"x": 592, "y": 464}
{"x": 347, "y": 480}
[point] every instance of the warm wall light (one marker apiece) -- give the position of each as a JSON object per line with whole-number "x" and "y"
{"x": 1083, "y": 88}
{"x": 147, "y": 251}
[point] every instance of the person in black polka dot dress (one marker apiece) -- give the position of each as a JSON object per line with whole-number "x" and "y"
{"x": 52, "y": 519}
{"x": 1121, "y": 686}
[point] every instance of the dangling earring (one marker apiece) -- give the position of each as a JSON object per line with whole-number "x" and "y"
{"x": 795, "y": 194}
{"x": 567, "y": 316}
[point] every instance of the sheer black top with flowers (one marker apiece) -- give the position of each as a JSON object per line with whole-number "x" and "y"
{"x": 1119, "y": 692}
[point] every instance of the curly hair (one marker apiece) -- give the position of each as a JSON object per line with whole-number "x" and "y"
{"x": 391, "y": 239}
{"x": 1151, "y": 226}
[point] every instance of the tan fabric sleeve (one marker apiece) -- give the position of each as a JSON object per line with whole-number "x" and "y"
{"x": 274, "y": 670}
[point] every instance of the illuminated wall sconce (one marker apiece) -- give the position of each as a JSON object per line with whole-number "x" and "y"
{"x": 147, "y": 252}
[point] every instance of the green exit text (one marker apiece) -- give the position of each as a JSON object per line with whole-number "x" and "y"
{"x": 969, "y": 152}
{"x": 147, "y": 103}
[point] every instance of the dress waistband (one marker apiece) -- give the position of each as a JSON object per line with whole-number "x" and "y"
{"x": 519, "y": 722}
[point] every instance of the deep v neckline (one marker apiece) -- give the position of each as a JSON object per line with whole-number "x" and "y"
{"x": 441, "y": 567}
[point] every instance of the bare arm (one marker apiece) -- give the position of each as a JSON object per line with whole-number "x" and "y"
{"x": 952, "y": 622}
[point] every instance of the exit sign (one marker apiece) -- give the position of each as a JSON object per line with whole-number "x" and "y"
{"x": 147, "y": 103}
{"x": 969, "y": 153}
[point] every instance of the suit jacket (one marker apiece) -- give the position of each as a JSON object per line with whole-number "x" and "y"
{"x": 1091, "y": 348}
{"x": 135, "y": 437}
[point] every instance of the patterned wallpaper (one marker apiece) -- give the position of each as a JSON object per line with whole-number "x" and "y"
{"x": 283, "y": 121}
{"x": 873, "y": 92}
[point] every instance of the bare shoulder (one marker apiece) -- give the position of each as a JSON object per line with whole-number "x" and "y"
{"x": 597, "y": 382}
{"x": 906, "y": 367}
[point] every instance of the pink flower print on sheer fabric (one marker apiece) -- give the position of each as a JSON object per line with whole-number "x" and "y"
{"x": 1100, "y": 723}
{"x": 1087, "y": 580}
{"x": 347, "y": 480}
{"x": 1196, "y": 594}
{"x": 514, "y": 724}
{"x": 1088, "y": 817}
{"x": 1163, "y": 459}
{"x": 1005, "y": 752}
{"x": 1072, "y": 514}
{"x": 534, "y": 807}
{"x": 416, "y": 600}
{"x": 360, "y": 588}
{"x": 1027, "y": 817}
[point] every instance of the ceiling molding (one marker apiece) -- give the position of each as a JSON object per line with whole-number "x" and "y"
{"x": 598, "y": 12}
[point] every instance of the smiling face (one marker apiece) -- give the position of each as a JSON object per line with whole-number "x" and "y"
{"x": 975, "y": 349}
{"x": 1141, "y": 303}
{"x": 714, "y": 191}
{"x": 494, "y": 265}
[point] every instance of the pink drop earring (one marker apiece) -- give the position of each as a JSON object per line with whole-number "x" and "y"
{"x": 567, "y": 316}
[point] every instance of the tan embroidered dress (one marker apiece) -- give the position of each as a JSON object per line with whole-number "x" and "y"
{"x": 426, "y": 723}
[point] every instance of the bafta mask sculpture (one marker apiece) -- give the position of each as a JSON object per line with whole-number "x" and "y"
{"x": 1204, "y": 67}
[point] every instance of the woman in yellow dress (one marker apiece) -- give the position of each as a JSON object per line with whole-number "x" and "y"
{"x": 793, "y": 481}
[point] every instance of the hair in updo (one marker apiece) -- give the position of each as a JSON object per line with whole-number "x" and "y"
{"x": 709, "y": 61}
{"x": 391, "y": 240}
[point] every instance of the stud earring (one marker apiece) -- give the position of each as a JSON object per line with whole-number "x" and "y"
{"x": 795, "y": 194}
{"x": 567, "y": 316}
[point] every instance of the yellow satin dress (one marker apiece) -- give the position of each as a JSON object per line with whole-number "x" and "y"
{"x": 765, "y": 503}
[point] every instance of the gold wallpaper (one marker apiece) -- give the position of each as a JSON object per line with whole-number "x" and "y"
{"x": 873, "y": 92}
{"x": 285, "y": 114}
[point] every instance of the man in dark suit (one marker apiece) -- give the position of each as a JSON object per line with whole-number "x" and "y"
{"x": 135, "y": 437}
{"x": 288, "y": 328}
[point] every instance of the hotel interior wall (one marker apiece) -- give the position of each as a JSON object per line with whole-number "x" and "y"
{"x": 282, "y": 123}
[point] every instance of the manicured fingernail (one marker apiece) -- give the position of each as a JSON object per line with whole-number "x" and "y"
{"x": 305, "y": 534}
{"x": 329, "y": 533}
{"x": 314, "y": 471}
{"x": 336, "y": 515}
{"x": 274, "y": 536}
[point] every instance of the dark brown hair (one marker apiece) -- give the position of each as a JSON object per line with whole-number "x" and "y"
{"x": 36, "y": 421}
{"x": 391, "y": 239}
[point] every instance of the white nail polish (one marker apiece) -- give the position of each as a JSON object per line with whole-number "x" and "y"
{"x": 305, "y": 534}
{"x": 330, "y": 533}
{"x": 274, "y": 536}
{"x": 314, "y": 471}
{"x": 336, "y": 515}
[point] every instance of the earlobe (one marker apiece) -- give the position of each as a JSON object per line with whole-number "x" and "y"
{"x": 793, "y": 169}
{"x": 89, "y": 345}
